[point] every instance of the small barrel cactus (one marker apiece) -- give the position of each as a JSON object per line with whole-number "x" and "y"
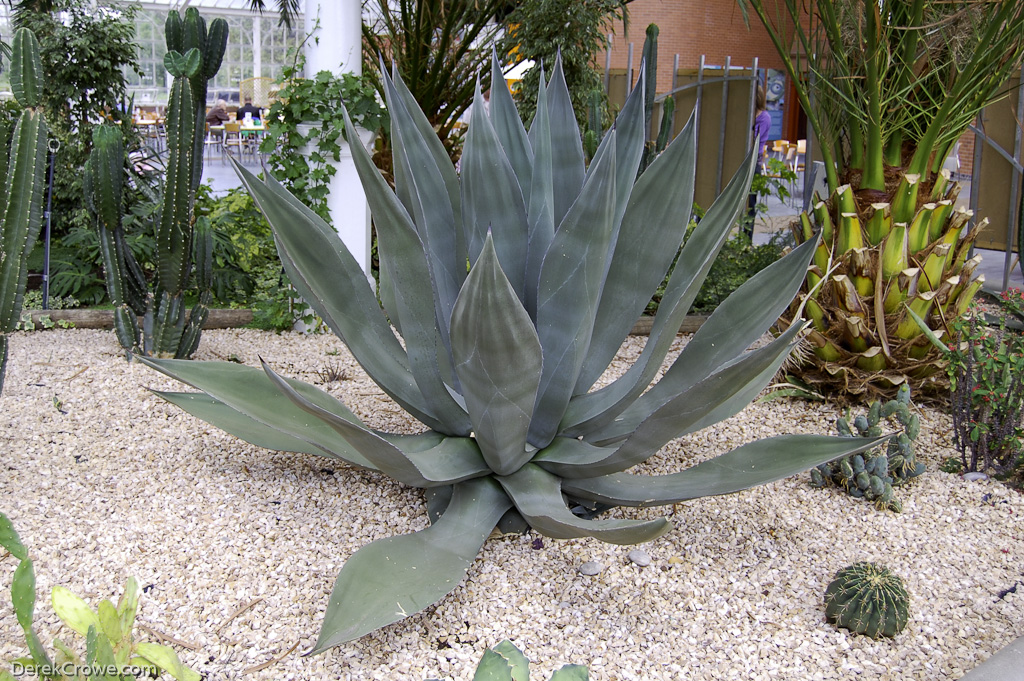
{"x": 867, "y": 599}
{"x": 873, "y": 474}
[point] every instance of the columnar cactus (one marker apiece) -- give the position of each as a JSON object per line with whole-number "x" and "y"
{"x": 872, "y": 475}
{"x": 22, "y": 177}
{"x": 182, "y": 241}
{"x": 867, "y": 599}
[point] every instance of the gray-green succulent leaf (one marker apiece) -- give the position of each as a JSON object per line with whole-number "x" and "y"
{"x": 507, "y": 292}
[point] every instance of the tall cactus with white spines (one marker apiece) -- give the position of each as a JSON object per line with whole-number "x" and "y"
{"x": 22, "y": 197}
{"x": 184, "y": 244}
{"x": 500, "y": 362}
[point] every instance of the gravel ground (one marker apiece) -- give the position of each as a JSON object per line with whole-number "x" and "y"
{"x": 237, "y": 548}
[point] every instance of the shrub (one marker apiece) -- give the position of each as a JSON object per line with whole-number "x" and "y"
{"x": 986, "y": 372}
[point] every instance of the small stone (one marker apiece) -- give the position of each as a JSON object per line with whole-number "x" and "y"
{"x": 639, "y": 557}
{"x": 975, "y": 476}
{"x": 675, "y": 560}
{"x": 591, "y": 568}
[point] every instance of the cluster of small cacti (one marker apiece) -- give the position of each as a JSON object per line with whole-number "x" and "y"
{"x": 867, "y": 599}
{"x": 873, "y": 474}
{"x": 184, "y": 244}
{"x": 21, "y": 196}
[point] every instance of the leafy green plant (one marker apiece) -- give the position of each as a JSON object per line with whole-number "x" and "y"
{"x": 439, "y": 47}
{"x": 111, "y": 648}
{"x": 736, "y": 263}
{"x": 184, "y": 243}
{"x": 543, "y": 30}
{"x": 505, "y": 662}
{"x": 22, "y": 176}
{"x": 315, "y": 101}
{"x": 99, "y": 40}
{"x": 868, "y": 599}
{"x": 872, "y": 474}
{"x": 986, "y": 372}
{"x": 499, "y": 363}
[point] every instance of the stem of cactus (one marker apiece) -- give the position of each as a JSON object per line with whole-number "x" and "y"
{"x": 194, "y": 55}
{"x": 23, "y": 186}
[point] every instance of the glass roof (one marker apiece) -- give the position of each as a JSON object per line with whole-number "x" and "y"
{"x": 215, "y": 6}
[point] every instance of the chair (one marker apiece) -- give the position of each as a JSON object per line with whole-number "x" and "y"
{"x": 233, "y": 138}
{"x": 213, "y": 139}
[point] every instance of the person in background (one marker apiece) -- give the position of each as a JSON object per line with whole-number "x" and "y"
{"x": 218, "y": 114}
{"x": 759, "y": 133}
{"x": 248, "y": 108}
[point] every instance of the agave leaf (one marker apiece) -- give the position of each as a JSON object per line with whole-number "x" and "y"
{"x": 570, "y": 672}
{"x": 518, "y": 662}
{"x": 735, "y": 324}
{"x": 318, "y": 264}
{"x": 493, "y": 667}
{"x": 220, "y": 415}
{"x": 498, "y": 361}
{"x": 717, "y": 397}
{"x": 420, "y": 183}
{"x": 537, "y": 495}
{"x": 249, "y": 391}
{"x": 508, "y": 126}
{"x": 492, "y": 200}
{"x": 540, "y": 214}
{"x": 652, "y": 228}
{"x": 445, "y": 169}
{"x": 400, "y": 247}
{"x": 451, "y": 461}
{"x": 571, "y": 279}
{"x": 593, "y": 410}
{"x": 392, "y": 578}
{"x": 755, "y": 463}
{"x": 567, "y": 166}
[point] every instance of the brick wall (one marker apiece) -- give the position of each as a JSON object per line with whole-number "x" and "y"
{"x": 690, "y": 28}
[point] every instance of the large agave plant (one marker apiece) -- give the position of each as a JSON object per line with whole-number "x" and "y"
{"x": 500, "y": 363}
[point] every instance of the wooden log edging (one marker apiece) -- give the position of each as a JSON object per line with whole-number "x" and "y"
{"x": 690, "y": 324}
{"x": 229, "y": 319}
{"x": 104, "y": 319}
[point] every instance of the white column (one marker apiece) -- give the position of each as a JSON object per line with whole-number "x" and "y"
{"x": 336, "y": 46}
{"x": 257, "y": 48}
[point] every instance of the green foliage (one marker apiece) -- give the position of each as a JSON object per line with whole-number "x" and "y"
{"x": 868, "y": 599}
{"x": 872, "y": 474}
{"x": 184, "y": 242}
{"x": 542, "y": 30}
{"x": 439, "y": 47}
{"x": 316, "y": 101}
{"x": 505, "y": 662}
{"x": 100, "y": 42}
{"x": 736, "y": 263}
{"x": 986, "y": 372}
{"x": 500, "y": 362}
{"x": 111, "y": 648}
{"x": 21, "y": 198}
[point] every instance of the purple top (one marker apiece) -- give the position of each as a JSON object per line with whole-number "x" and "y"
{"x": 762, "y": 127}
